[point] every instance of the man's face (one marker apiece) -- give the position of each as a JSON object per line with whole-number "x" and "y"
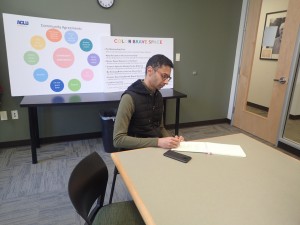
{"x": 160, "y": 77}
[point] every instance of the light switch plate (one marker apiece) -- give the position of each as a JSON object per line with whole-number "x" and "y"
{"x": 3, "y": 115}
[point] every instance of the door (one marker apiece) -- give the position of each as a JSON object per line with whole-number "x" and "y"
{"x": 265, "y": 125}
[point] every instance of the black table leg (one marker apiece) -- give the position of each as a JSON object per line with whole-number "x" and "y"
{"x": 34, "y": 132}
{"x": 177, "y": 116}
{"x": 165, "y": 111}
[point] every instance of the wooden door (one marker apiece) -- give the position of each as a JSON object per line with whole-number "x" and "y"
{"x": 265, "y": 127}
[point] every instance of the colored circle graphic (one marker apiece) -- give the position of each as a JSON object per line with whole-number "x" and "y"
{"x": 63, "y": 57}
{"x": 54, "y": 35}
{"x": 57, "y": 85}
{"x": 31, "y": 57}
{"x": 87, "y": 74}
{"x": 74, "y": 85}
{"x": 93, "y": 59}
{"x": 86, "y": 45}
{"x": 38, "y": 42}
{"x": 71, "y": 37}
{"x": 40, "y": 75}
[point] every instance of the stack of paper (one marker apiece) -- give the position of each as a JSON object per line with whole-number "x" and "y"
{"x": 211, "y": 148}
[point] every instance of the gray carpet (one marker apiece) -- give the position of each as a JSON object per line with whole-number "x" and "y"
{"x": 37, "y": 193}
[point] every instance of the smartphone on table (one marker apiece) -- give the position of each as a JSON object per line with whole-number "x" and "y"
{"x": 177, "y": 156}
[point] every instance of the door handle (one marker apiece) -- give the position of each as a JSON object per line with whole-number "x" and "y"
{"x": 281, "y": 80}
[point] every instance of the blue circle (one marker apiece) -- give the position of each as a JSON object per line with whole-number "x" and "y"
{"x": 57, "y": 85}
{"x": 86, "y": 45}
{"x": 71, "y": 37}
{"x": 40, "y": 75}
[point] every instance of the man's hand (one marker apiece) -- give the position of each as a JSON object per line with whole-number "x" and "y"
{"x": 170, "y": 142}
{"x": 180, "y": 138}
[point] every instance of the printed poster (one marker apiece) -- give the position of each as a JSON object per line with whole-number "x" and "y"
{"x": 49, "y": 56}
{"x": 125, "y": 59}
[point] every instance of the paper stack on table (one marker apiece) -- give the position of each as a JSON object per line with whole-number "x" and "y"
{"x": 211, "y": 148}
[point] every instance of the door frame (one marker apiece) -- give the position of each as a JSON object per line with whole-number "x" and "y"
{"x": 237, "y": 60}
{"x": 286, "y": 107}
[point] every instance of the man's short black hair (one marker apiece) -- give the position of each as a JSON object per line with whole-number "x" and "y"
{"x": 158, "y": 61}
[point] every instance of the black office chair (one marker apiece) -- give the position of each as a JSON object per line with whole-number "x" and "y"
{"x": 87, "y": 184}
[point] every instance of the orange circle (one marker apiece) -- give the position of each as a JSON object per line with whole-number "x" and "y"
{"x": 54, "y": 35}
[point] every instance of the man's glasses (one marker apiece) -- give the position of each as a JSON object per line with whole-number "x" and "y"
{"x": 164, "y": 76}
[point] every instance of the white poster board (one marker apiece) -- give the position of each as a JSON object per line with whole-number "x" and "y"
{"x": 48, "y": 56}
{"x": 125, "y": 59}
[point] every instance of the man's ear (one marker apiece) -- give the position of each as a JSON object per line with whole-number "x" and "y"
{"x": 150, "y": 70}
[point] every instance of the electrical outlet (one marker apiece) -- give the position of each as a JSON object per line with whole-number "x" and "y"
{"x": 3, "y": 115}
{"x": 14, "y": 114}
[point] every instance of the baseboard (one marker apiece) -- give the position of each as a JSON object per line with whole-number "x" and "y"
{"x": 11, "y": 144}
{"x": 294, "y": 117}
{"x": 75, "y": 137}
{"x": 199, "y": 123}
{"x": 289, "y": 149}
{"x": 50, "y": 140}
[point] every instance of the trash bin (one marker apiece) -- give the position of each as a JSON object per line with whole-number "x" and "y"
{"x": 107, "y": 123}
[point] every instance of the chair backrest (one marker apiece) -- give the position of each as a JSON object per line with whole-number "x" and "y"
{"x": 87, "y": 184}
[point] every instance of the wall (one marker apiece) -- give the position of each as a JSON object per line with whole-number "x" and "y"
{"x": 205, "y": 34}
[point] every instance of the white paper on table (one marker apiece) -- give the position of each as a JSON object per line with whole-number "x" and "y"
{"x": 211, "y": 148}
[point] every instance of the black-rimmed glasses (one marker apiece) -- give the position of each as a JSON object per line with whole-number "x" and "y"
{"x": 164, "y": 76}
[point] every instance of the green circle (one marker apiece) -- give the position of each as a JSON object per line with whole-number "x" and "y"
{"x": 74, "y": 85}
{"x": 31, "y": 58}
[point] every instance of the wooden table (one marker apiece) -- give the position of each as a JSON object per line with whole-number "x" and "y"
{"x": 261, "y": 189}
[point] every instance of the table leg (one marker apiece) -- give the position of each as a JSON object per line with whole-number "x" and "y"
{"x": 34, "y": 132}
{"x": 177, "y": 116}
{"x": 165, "y": 111}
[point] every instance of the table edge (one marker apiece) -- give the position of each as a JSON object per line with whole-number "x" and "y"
{"x": 134, "y": 194}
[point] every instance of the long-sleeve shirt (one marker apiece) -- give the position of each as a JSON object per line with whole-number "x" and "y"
{"x": 123, "y": 117}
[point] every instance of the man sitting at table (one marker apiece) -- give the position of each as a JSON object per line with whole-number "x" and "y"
{"x": 139, "y": 120}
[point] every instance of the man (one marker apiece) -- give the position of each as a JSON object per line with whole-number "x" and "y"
{"x": 139, "y": 120}
{"x": 277, "y": 43}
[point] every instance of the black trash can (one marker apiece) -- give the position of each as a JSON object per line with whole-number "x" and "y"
{"x": 107, "y": 123}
